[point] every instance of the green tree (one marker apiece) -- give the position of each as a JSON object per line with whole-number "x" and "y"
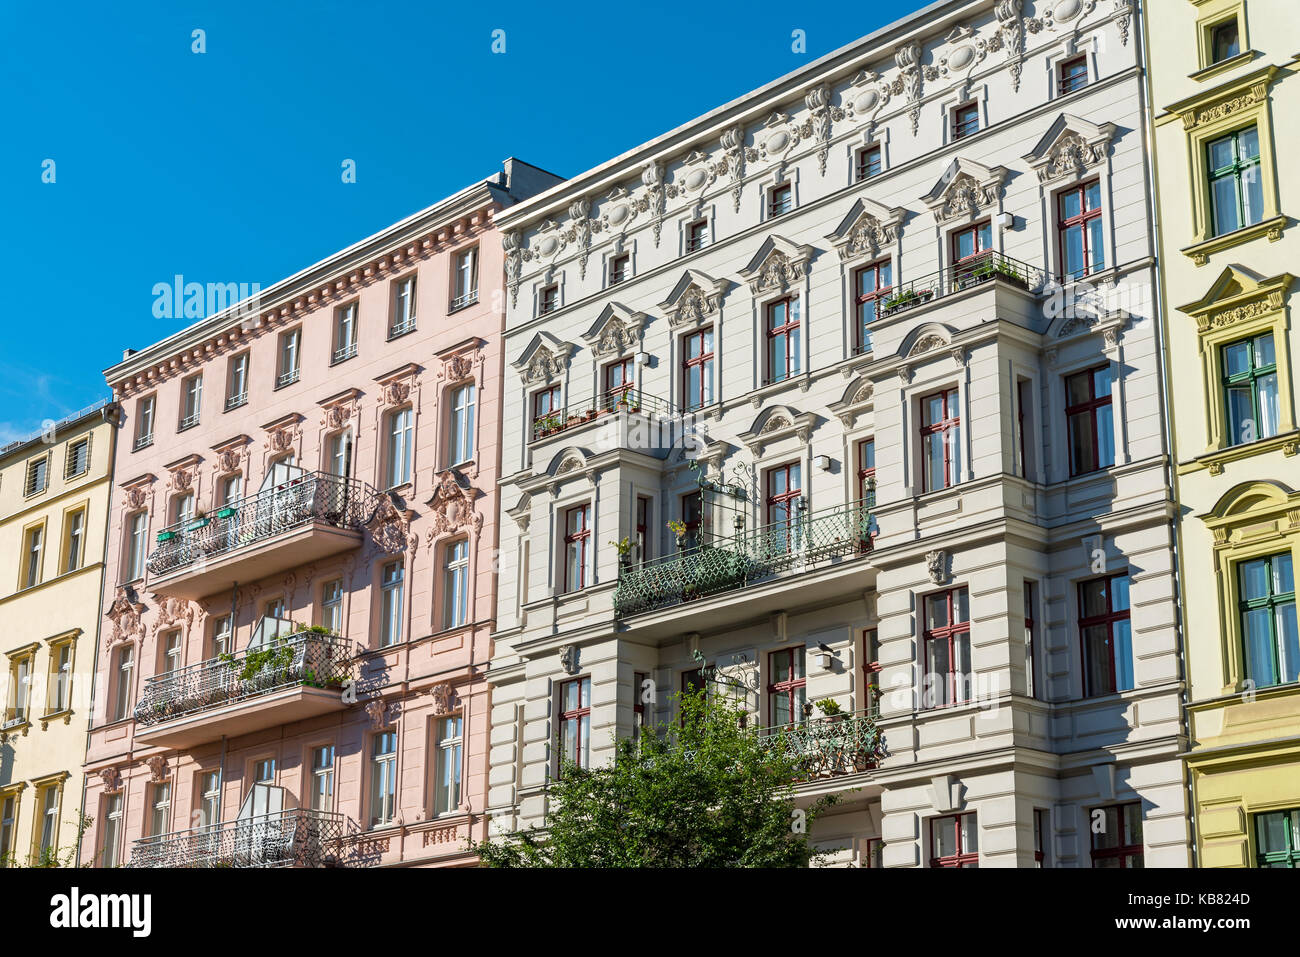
{"x": 706, "y": 793}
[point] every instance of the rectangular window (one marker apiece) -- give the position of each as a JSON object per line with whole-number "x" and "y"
{"x": 784, "y": 506}
{"x": 868, "y": 162}
{"x": 191, "y": 402}
{"x": 871, "y": 667}
{"x": 783, "y": 334}
{"x": 970, "y": 247}
{"x": 1117, "y": 835}
{"x": 1090, "y": 419}
{"x": 455, "y": 587}
{"x": 1073, "y": 74}
{"x": 446, "y": 794}
{"x": 548, "y": 300}
{"x": 33, "y": 552}
{"x": 144, "y": 421}
{"x": 232, "y": 489}
{"x": 1236, "y": 188}
{"x": 461, "y": 437}
{"x": 575, "y": 723}
{"x": 122, "y": 696}
{"x": 1277, "y": 839}
{"x": 172, "y": 652}
{"x": 619, "y": 268}
{"x": 947, "y": 649}
{"x": 1042, "y": 836}
{"x": 390, "y": 605}
{"x": 403, "y": 307}
{"x": 209, "y": 799}
{"x": 222, "y": 633}
{"x": 322, "y": 778}
{"x": 874, "y": 854}
{"x": 965, "y": 121}
{"x": 577, "y": 540}
{"x": 237, "y": 381}
{"x": 643, "y": 510}
{"x": 1250, "y": 388}
{"x": 111, "y": 838}
{"x": 640, "y": 689}
{"x": 1024, "y": 420}
{"x": 954, "y": 841}
{"x": 871, "y": 285}
{"x": 1078, "y": 225}
{"x": 74, "y": 544}
{"x": 345, "y": 332}
{"x": 138, "y": 544}
{"x": 940, "y": 441}
{"x": 780, "y": 199}
{"x": 697, "y": 235}
{"x": 290, "y": 343}
{"x": 383, "y": 778}
{"x": 465, "y": 287}
{"x": 693, "y": 519}
{"x": 697, "y": 369}
{"x": 20, "y": 678}
{"x": 183, "y": 508}
{"x": 1107, "y": 639}
{"x": 620, "y": 377}
{"x": 78, "y": 458}
{"x": 60, "y": 698}
{"x": 787, "y": 692}
{"x": 38, "y": 475}
{"x": 1268, "y": 620}
{"x": 331, "y": 606}
{"x": 400, "y": 435}
{"x": 546, "y": 402}
{"x": 1225, "y": 41}
{"x": 8, "y": 828}
{"x": 1031, "y": 597}
{"x": 264, "y": 771}
{"x": 160, "y": 809}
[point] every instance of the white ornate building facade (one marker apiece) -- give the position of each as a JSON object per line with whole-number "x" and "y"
{"x": 849, "y": 390}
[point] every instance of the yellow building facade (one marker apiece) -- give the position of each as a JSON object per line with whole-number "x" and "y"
{"x": 1224, "y": 92}
{"x": 54, "y": 493}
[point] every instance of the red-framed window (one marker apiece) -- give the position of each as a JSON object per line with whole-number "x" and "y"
{"x": 1073, "y": 74}
{"x": 871, "y": 286}
{"x": 1042, "y": 835}
{"x": 965, "y": 120}
{"x": 784, "y": 495}
{"x": 940, "y": 440}
{"x": 1106, "y": 635}
{"x": 867, "y": 471}
{"x": 546, "y": 402}
{"x": 693, "y": 518}
{"x": 971, "y": 241}
{"x": 780, "y": 199}
{"x": 787, "y": 691}
{"x": 1117, "y": 835}
{"x": 1023, "y": 398}
{"x": 620, "y": 377}
{"x": 873, "y": 857}
{"x": 697, "y": 235}
{"x": 1031, "y": 598}
{"x": 575, "y": 722}
{"x": 642, "y": 528}
{"x": 577, "y": 542}
{"x": 954, "y": 841}
{"x": 1090, "y": 420}
{"x": 692, "y": 683}
{"x": 947, "y": 649}
{"x": 868, "y": 162}
{"x": 1078, "y": 228}
{"x": 548, "y": 300}
{"x": 782, "y": 339}
{"x": 697, "y": 369}
{"x": 618, "y": 268}
{"x": 871, "y": 666}
{"x": 639, "y": 680}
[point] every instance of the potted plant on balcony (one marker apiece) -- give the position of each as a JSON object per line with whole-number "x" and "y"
{"x": 549, "y": 425}
{"x": 624, "y": 548}
{"x": 678, "y": 529}
{"x": 906, "y": 299}
{"x": 830, "y": 709}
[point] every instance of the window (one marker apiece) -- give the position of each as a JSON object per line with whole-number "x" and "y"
{"x": 209, "y": 799}
{"x": 1268, "y": 620}
{"x": 144, "y": 421}
{"x": 1073, "y": 74}
{"x": 784, "y": 506}
{"x": 338, "y": 453}
{"x": 1236, "y": 187}
{"x": 122, "y": 690}
{"x": 965, "y": 121}
{"x": 1225, "y": 41}
{"x": 237, "y": 381}
{"x": 693, "y": 519}
{"x": 548, "y": 300}
{"x": 643, "y": 511}
{"x": 111, "y": 839}
{"x": 446, "y": 792}
{"x": 331, "y": 615}
{"x": 60, "y": 696}
{"x": 160, "y": 808}
{"x": 290, "y": 343}
{"x": 322, "y": 778}
{"x": 874, "y": 854}
{"x": 183, "y": 508}
{"x": 780, "y": 199}
{"x": 868, "y": 162}
{"x": 38, "y": 475}
{"x": 1090, "y": 419}
{"x": 222, "y": 633}
{"x": 390, "y": 605}
{"x": 871, "y": 286}
{"x": 8, "y": 827}
{"x": 274, "y": 608}
{"x": 1277, "y": 839}
{"x": 1117, "y": 835}
{"x": 345, "y": 332}
{"x": 465, "y": 286}
{"x": 399, "y": 447}
{"x": 138, "y": 543}
{"x": 639, "y": 696}
{"x": 232, "y": 489}
{"x": 619, "y": 268}
{"x": 782, "y": 339}
{"x": 867, "y": 471}
{"x": 940, "y": 441}
{"x": 697, "y": 369}
{"x": 403, "y": 307}
{"x": 383, "y": 778}
{"x": 171, "y": 652}
{"x": 1042, "y": 836}
{"x": 954, "y": 841}
{"x": 871, "y": 667}
{"x": 1104, "y": 630}
{"x": 546, "y": 402}
{"x": 947, "y": 649}
{"x": 575, "y": 723}
{"x": 620, "y": 376}
{"x": 78, "y": 458}
{"x": 1250, "y": 387}
{"x": 971, "y": 242}
{"x": 697, "y": 235}
{"x": 787, "y": 692}
{"x": 20, "y": 689}
{"x": 1024, "y": 420}
{"x": 191, "y": 402}
{"x": 577, "y": 538}
{"x": 1031, "y": 594}
{"x": 1078, "y": 225}
{"x": 32, "y": 553}
{"x": 461, "y": 437}
{"x": 264, "y": 771}
{"x": 455, "y": 585}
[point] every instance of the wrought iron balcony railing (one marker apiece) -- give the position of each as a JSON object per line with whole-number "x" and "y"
{"x": 749, "y": 557}
{"x": 828, "y": 746}
{"x": 282, "y": 659}
{"x": 301, "y": 500}
{"x": 615, "y": 400}
{"x": 290, "y": 838}
{"x": 978, "y": 269}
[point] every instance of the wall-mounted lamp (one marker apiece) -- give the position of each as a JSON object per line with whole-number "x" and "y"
{"x": 1006, "y": 221}
{"x": 822, "y": 462}
{"x": 642, "y": 358}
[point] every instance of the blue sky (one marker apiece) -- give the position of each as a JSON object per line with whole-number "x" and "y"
{"x": 226, "y": 167}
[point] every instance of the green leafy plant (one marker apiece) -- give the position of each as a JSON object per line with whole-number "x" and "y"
{"x": 623, "y": 545}
{"x": 829, "y": 706}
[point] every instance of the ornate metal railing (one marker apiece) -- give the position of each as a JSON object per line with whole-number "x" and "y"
{"x": 749, "y": 557}
{"x": 294, "y": 658}
{"x": 978, "y": 269}
{"x": 301, "y": 500}
{"x": 823, "y": 747}
{"x": 615, "y": 400}
{"x": 291, "y": 838}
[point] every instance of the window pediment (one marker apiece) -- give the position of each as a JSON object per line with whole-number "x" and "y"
{"x": 868, "y": 227}
{"x": 1238, "y": 296}
{"x": 777, "y": 265}
{"x": 544, "y": 360}
{"x": 616, "y": 330}
{"x": 694, "y": 299}
{"x": 1069, "y": 148}
{"x": 965, "y": 190}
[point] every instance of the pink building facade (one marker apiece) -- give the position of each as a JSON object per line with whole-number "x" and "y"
{"x": 300, "y": 572}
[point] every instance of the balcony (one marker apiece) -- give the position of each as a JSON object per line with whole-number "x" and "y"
{"x": 296, "y": 518}
{"x": 830, "y": 746}
{"x": 747, "y": 558}
{"x": 974, "y": 271}
{"x": 285, "y": 674}
{"x": 631, "y": 401}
